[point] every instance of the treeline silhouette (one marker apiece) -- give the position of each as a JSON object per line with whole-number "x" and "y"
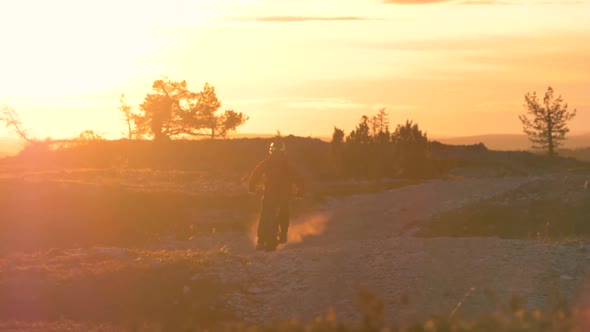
{"x": 229, "y": 156}
{"x": 372, "y": 151}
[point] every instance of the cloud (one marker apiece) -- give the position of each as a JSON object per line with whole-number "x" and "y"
{"x": 321, "y": 103}
{"x": 482, "y": 2}
{"x": 297, "y": 19}
{"x": 484, "y": 43}
{"x": 498, "y": 104}
{"x": 499, "y": 2}
{"x": 555, "y": 65}
{"x": 413, "y": 2}
{"x": 394, "y": 107}
{"x": 449, "y": 45}
{"x": 302, "y": 102}
{"x": 81, "y": 103}
{"x": 311, "y": 103}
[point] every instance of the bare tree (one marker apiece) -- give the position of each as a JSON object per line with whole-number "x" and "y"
{"x": 380, "y": 122}
{"x": 127, "y": 114}
{"x": 10, "y": 118}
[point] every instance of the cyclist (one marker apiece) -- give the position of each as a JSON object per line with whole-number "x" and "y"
{"x": 278, "y": 176}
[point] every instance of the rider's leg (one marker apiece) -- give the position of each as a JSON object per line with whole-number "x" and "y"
{"x": 262, "y": 220}
{"x": 272, "y": 229}
{"x": 283, "y": 219}
{"x": 268, "y": 225}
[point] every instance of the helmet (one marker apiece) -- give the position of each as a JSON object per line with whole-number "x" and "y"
{"x": 277, "y": 147}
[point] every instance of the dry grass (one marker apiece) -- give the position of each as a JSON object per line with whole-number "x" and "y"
{"x": 59, "y": 326}
{"x": 513, "y": 320}
{"x": 50, "y": 213}
{"x": 88, "y": 207}
{"x": 580, "y": 154}
{"x": 122, "y": 287}
{"x": 553, "y": 208}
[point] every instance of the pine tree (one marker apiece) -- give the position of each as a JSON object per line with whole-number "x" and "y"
{"x": 547, "y": 125}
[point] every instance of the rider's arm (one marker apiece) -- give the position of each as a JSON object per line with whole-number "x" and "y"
{"x": 297, "y": 179}
{"x": 257, "y": 175}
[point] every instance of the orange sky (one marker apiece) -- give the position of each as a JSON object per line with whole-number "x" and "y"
{"x": 298, "y": 66}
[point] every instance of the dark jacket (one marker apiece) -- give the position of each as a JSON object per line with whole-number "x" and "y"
{"x": 278, "y": 176}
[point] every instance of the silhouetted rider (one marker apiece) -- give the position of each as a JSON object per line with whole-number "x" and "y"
{"x": 279, "y": 177}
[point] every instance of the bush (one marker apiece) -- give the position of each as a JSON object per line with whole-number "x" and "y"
{"x": 371, "y": 151}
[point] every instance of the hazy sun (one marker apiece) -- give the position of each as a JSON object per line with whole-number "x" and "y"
{"x": 65, "y": 48}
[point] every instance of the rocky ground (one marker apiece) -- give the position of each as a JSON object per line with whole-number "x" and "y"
{"x": 352, "y": 255}
{"x": 362, "y": 244}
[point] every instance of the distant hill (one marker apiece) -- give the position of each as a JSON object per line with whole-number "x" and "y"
{"x": 506, "y": 142}
{"x": 580, "y": 154}
{"x": 511, "y": 141}
{"x": 253, "y": 135}
{"x": 249, "y": 135}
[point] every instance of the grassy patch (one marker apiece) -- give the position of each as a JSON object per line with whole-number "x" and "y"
{"x": 514, "y": 319}
{"x": 536, "y": 220}
{"x": 547, "y": 210}
{"x": 111, "y": 286}
{"x": 77, "y": 208}
{"x": 41, "y": 215}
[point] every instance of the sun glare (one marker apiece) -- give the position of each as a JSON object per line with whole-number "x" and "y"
{"x": 53, "y": 53}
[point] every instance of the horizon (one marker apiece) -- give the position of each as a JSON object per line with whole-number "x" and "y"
{"x": 300, "y": 67}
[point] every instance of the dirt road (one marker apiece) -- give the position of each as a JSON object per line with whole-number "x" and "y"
{"x": 360, "y": 243}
